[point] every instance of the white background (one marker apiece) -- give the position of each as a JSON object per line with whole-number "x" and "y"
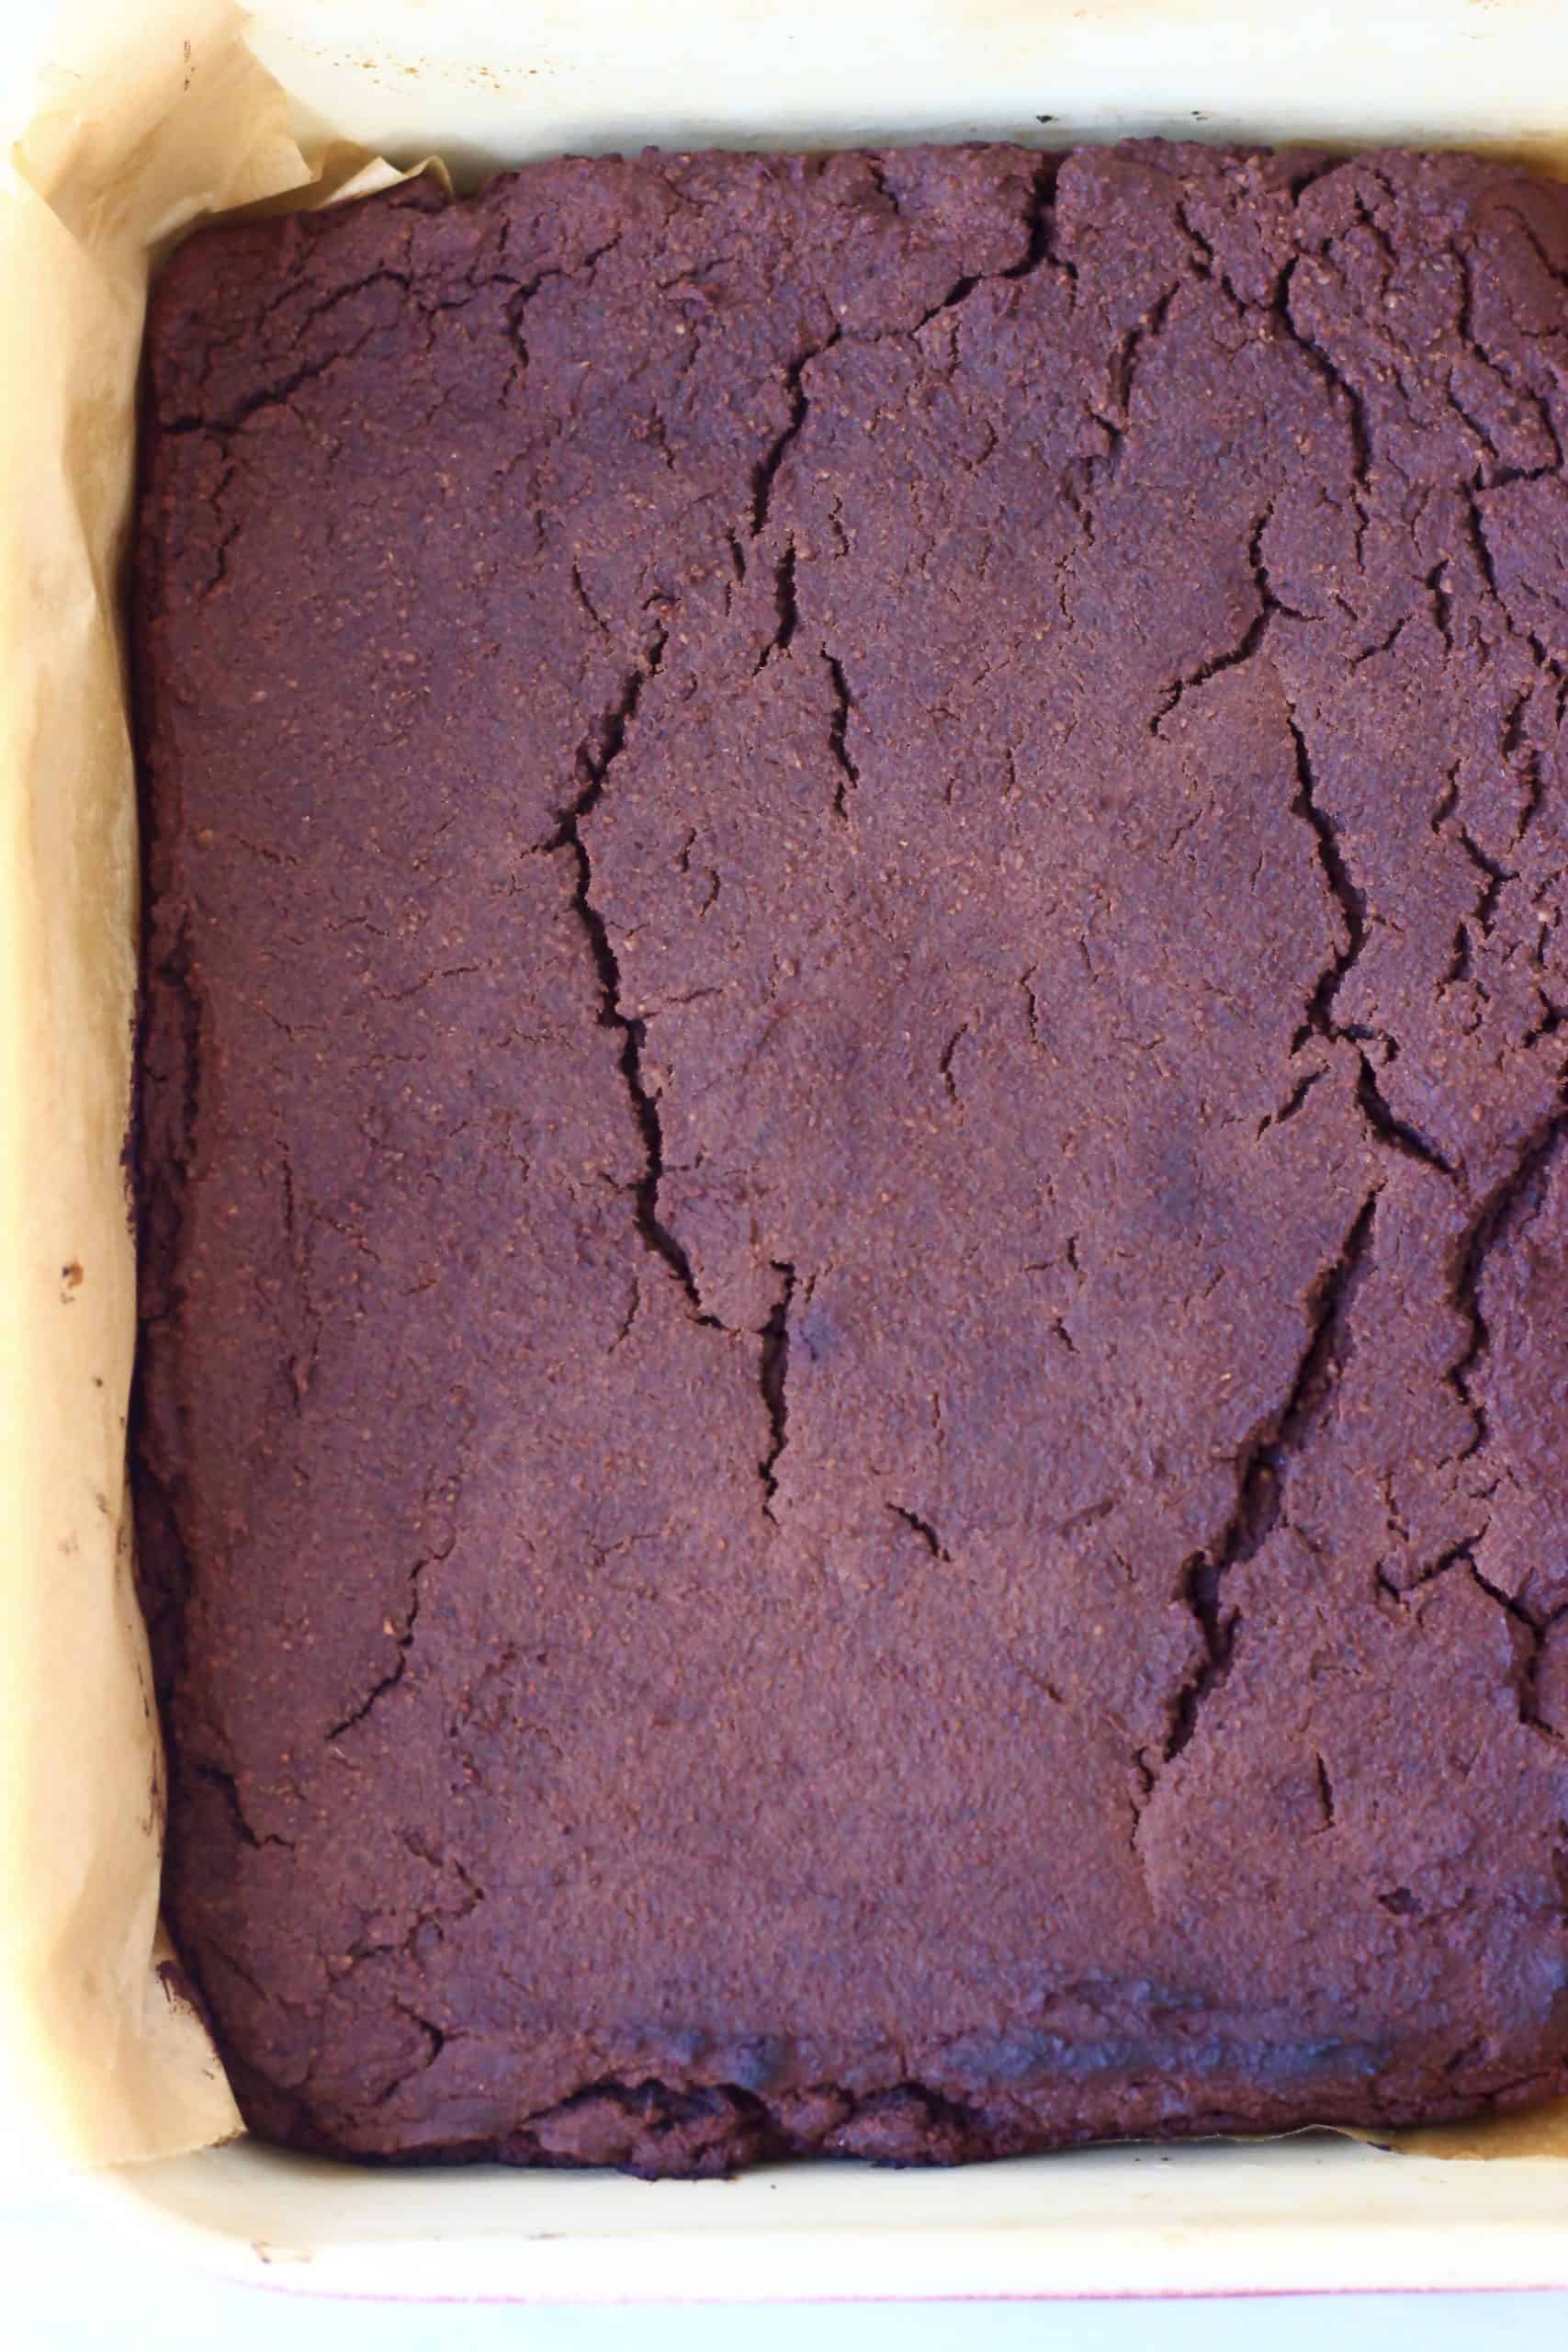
{"x": 65, "y": 2282}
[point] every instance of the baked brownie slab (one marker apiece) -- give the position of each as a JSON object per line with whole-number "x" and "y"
{"x": 855, "y": 1241}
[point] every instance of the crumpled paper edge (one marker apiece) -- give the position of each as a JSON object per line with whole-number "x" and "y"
{"x": 134, "y": 139}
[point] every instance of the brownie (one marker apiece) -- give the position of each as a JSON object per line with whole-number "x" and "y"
{"x": 854, "y": 1227}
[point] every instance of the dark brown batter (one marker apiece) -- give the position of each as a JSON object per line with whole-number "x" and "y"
{"x": 855, "y": 1231}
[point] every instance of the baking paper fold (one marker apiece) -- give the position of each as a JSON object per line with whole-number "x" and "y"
{"x": 100, "y": 2052}
{"x": 137, "y": 132}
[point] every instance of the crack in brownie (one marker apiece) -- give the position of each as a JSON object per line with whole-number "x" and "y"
{"x": 854, "y": 1231}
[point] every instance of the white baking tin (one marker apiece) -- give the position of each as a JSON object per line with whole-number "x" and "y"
{"x": 486, "y": 86}
{"x": 1313, "y": 2212}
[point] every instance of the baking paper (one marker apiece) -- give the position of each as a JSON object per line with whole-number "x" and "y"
{"x": 100, "y": 2051}
{"x": 139, "y": 130}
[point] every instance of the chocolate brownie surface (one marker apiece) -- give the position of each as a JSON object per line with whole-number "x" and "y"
{"x": 855, "y": 1241}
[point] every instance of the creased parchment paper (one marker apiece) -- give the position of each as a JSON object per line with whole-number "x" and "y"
{"x": 98, "y": 2046}
{"x": 151, "y": 119}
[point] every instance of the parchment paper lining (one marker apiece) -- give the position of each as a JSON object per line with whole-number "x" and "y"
{"x": 128, "y": 146}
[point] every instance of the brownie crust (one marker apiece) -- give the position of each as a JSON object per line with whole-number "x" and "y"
{"x": 854, "y": 1235}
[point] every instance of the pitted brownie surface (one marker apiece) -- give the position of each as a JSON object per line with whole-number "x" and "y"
{"x": 855, "y": 1241}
